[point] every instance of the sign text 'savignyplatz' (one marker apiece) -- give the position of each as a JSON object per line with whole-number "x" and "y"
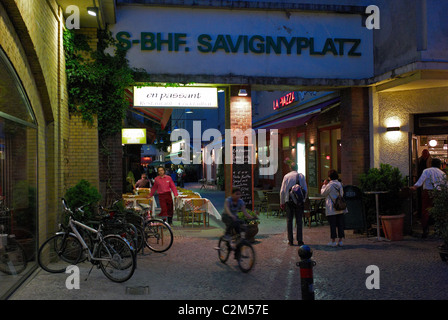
{"x": 258, "y": 44}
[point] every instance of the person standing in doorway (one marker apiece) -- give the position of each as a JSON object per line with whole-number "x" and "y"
{"x": 431, "y": 178}
{"x": 163, "y": 185}
{"x": 424, "y": 162}
{"x": 331, "y": 189}
{"x": 293, "y": 210}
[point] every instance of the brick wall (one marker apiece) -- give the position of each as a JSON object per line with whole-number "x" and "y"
{"x": 82, "y": 153}
{"x": 111, "y": 169}
{"x": 355, "y": 134}
{"x": 238, "y": 116}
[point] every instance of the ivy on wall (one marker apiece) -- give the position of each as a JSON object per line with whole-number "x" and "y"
{"x": 96, "y": 80}
{"x": 96, "y": 83}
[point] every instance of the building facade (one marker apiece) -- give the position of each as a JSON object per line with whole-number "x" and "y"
{"x": 369, "y": 96}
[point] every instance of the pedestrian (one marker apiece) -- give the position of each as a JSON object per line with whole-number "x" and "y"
{"x": 163, "y": 185}
{"x": 331, "y": 189}
{"x": 431, "y": 178}
{"x": 180, "y": 177}
{"x": 232, "y": 206}
{"x": 143, "y": 182}
{"x": 424, "y": 162}
{"x": 293, "y": 210}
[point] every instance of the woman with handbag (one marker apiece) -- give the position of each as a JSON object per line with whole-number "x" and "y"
{"x": 335, "y": 207}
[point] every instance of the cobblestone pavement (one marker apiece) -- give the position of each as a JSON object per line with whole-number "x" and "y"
{"x": 190, "y": 270}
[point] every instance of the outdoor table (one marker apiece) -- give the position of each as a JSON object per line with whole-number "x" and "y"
{"x": 377, "y": 193}
{"x": 134, "y": 199}
{"x": 209, "y": 207}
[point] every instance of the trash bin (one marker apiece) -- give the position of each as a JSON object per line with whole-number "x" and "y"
{"x": 355, "y": 218}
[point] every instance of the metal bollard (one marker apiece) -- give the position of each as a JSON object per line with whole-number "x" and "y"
{"x": 306, "y": 272}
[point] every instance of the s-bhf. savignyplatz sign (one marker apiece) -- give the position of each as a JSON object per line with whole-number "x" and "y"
{"x": 207, "y": 42}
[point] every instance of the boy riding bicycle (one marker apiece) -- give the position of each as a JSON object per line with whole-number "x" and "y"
{"x": 232, "y": 206}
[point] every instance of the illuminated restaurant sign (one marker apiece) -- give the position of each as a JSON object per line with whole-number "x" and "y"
{"x": 285, "y": 100}
{"x": 292, "y": 97}
{"x": 133, "y": 136}
{"x": 179, "y": 97}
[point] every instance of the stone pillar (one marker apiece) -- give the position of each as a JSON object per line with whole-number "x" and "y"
{"x": 355, "y": 155}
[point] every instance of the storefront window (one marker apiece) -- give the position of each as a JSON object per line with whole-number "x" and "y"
{"x": 330, "y": 151}
{"x": 18, "y": 181}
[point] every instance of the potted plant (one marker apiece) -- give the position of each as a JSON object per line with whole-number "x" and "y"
{"x": 83, "y": 193}
{"x": 386, "y": 178}
{"x": 439, "y": 213}
{"x": 252, "y": 225}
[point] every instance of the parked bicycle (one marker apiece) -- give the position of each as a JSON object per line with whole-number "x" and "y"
{"x": 158, "y": 234}
{"x": 122, "y": 222}
{"x": 111, "y": 253}
{"x": 13, "y": 258}
{"x": 244, "y": 253}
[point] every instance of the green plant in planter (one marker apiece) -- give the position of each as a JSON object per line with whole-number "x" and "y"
{"x": 220, "y": 177}
{"x": 384, "y": 178}
{"x": 83, "y": 193}
{"x": 253, "y": 214}
{"x": 439, "y": 212}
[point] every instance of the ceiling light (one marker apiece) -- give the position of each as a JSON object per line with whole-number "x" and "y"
{"x": 242, "y": 93}
{"x": 188, "y": 111}
{"x": 432, "y": 143}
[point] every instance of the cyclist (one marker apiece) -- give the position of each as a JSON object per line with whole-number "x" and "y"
{"x": 232, "y": 206}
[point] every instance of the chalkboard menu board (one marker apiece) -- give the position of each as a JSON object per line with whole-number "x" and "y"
{"x": 312, "y": 169}
{"x": 242, "y": 172}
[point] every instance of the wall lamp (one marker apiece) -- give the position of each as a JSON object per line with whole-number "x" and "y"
{"x": 242, "y": 93}
{"x": 93, "y": 11}
{"x": 391, "y": 129}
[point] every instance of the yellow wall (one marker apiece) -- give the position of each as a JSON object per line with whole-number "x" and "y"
{"x": 31, "y": 36}
{"x": 396, "y": 109}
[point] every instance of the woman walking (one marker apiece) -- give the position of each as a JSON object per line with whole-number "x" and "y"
{"x": 331, "y": 189}
{"x": 163, "y": 185}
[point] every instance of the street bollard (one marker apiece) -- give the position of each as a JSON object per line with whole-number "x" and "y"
{"x": 306, "y": 272}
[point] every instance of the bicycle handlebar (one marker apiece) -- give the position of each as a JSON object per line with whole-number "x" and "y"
{"x": 67, "y": 208}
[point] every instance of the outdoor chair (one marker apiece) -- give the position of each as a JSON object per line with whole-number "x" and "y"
{"x": 263, "y": 201}
{"x": 257, "y": 201}
{"x": 315, "y": 213}
{"x": 273, "y": 202}
{"x": 195, "y": 210}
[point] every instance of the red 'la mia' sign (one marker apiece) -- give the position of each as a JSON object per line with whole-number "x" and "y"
{"x": 284, "y": 101}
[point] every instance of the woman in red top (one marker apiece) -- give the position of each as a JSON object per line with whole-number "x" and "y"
{"x": 163, "y": 185}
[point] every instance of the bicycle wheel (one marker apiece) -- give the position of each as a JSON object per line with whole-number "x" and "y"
{"x": 223, "y": 250}
{"x": 117, "y": 259}
{"x": 140, "y": 238}
{"x": 158, "y": 235}
{"x": 59, "y": 252}
{"x": 245, "y": 255}
{"x": 12, "y": 257}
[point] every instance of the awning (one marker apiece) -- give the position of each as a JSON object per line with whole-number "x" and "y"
{"x": 160, "y": 115}
{"x": 296, "y": 119}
